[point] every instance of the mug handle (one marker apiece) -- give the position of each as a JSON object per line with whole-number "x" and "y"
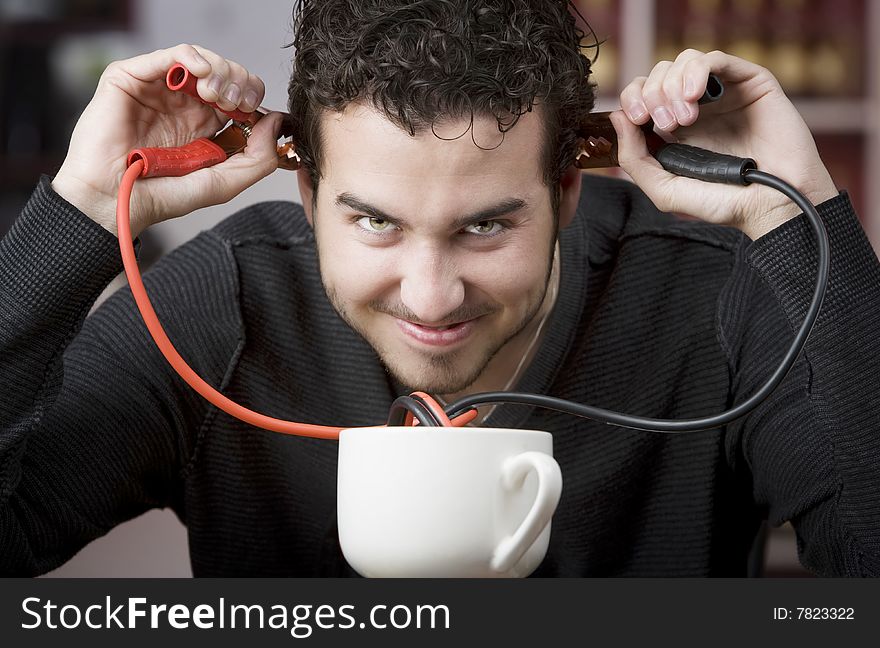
{"x": 513, "y": 473}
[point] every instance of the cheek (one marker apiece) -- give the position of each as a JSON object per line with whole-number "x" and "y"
{"x": 355, "y": 273}
{"x": 511, "y": 277}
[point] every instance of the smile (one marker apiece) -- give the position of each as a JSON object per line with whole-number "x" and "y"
{"x": 437, "y": 335}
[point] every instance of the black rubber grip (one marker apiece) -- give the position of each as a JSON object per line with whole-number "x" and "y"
{"x": 694, "y": 162}
{"x": 714, "y": 90}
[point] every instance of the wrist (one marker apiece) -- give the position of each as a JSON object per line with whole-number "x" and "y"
{"x": 96, "y": 205}
{"x": 784, "y": 209}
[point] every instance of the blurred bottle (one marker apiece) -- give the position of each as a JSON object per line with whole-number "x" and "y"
{"x": 701, "y": 25}
{"x": 844, "y": 155}
{"x": 836, "y": 63}
{"x": 789, "y": 52}
{"x": 603, "y": 17}
{"x": 668, "y": 16}
{"x": 745, "y": 26}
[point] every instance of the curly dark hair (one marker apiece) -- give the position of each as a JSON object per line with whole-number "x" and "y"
{"x": 423, "y": 60}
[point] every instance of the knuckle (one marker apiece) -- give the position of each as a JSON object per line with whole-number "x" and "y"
{"x": 652, "y": 93}
{"x": 237, "y": 72}
{"x": 223, "y": 68}
{"x": 628, "y": 94}
{"x": 671, "y": 86}
{"x": 765, "y": 73}
{"x": 112, "y": 68}
{"x": 188, "y": 51}
{"x": 696, "y": 65}
{"x": 633, "y": 89}
{"x": 660, "y": 68}
{"x": 256, "y": 83}
{"x": 689, "y": 54}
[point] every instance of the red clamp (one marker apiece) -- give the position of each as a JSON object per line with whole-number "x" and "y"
{"x": 180, "y": 79}
{"x": 177, "y": 161}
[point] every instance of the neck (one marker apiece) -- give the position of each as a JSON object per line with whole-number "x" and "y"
{"x": 511, "y": 361}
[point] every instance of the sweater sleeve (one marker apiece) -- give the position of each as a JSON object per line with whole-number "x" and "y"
{"x": 812, "y": 450}
{"x": 94, "y": 428}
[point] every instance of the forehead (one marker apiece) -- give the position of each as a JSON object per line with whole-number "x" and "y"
{"x": 365, "y": 153}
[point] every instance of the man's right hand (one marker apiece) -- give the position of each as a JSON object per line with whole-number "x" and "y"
{"x": 133, "y": 108}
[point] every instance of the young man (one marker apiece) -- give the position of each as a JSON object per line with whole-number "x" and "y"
{"x": 445, "y": 244}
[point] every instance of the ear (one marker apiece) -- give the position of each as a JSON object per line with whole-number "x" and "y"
{"x": 570, "y": 188}
{"x": 306, "y": 192}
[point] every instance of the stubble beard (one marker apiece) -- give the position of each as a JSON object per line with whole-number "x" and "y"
{"x": 438, "y": 373}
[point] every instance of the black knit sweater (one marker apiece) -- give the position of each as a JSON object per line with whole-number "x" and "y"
{"x": 655, "y": 317}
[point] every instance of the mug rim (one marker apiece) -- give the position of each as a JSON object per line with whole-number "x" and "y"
{"x": 446, "y": 430}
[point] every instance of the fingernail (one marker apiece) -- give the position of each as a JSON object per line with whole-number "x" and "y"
{"x": 201, "y": 60}
{"x": 662, "y": 118}
{"x": 233, "y": 93}
{"x": 636, "y": 111}
{"x": 250, "y": 99}
{"x": 215, "y": 83}
{"x": 682, "y": 111}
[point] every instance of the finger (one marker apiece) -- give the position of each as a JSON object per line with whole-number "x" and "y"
{"x": 232, "y": 94}
{"x": 733, "y": 69}
{"x": 230, "y": 85}
{"x": 632, "y": 103}
{"x": 636, "y": 160}
{"x": 668, "y": 192}
{"x": 263, "y": 141}
{"x": 154, "y": 66}
{"x": 682, "y": 104}
{"x": 695, "y": 75}
{"x": 253, "y": 93}
{"x": 655, "y": 98}
{"x": 211, "y": 86}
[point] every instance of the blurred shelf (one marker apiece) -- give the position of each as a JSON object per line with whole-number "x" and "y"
{"x": 838, "y": 115}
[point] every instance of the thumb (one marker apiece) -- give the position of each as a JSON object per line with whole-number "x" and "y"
{"x": 222, "y": 182}
{"x": 668, "y": 192}
{"x": 262, "y": 144}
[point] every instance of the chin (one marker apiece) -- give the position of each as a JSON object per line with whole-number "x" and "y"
{"x": 434, "y": 380}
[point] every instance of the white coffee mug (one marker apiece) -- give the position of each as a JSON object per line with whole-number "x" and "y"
{"x": 445, "y": 502}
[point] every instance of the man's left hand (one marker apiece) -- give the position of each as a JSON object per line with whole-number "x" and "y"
{"x": 753, "y": 119}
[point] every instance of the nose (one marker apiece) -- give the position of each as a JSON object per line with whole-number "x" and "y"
{"x": 431, "y": 286}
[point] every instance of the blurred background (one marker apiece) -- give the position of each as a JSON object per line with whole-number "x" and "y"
{"x": 824, "y": 52}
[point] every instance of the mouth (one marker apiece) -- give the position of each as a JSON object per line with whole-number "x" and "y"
{"x": 438, "y": 336}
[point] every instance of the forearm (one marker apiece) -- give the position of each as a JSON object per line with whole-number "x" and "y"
{"x": 54, "y": 263}
{"x": 814, "y": 447}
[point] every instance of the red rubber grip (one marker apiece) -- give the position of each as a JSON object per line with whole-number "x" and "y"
{"x": 180, "y": 79}
{"x": 175, "y": 162}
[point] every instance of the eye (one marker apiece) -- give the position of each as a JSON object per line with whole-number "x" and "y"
{"x": 485, "y": 228}
{"x": 375, "y": 225}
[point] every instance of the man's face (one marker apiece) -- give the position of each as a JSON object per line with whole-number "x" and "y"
{"x": 436, "y": 251}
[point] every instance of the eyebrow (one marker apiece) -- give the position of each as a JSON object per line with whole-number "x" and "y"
{"x": 504, "y": 208}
